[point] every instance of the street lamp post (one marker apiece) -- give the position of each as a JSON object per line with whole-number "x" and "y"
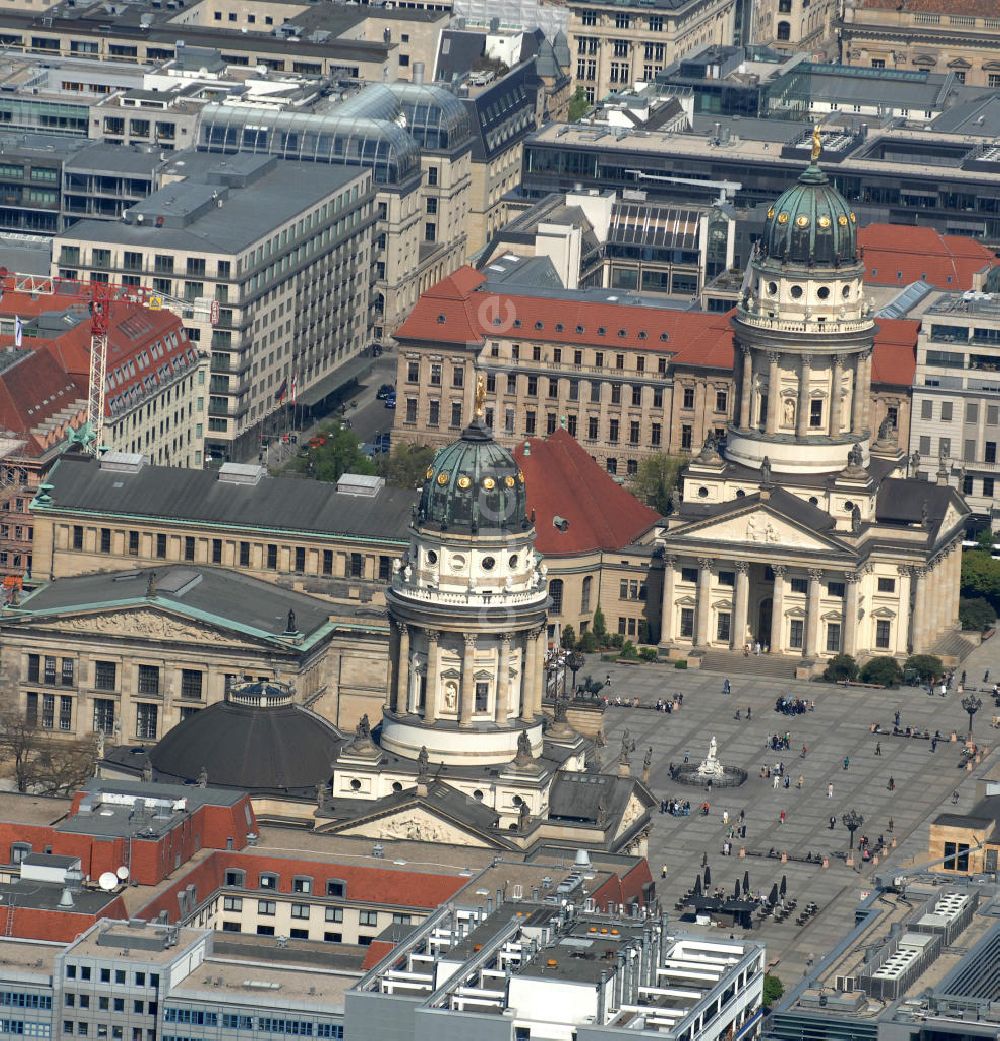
{"x": 852, "y": 820}
{"x": 972, "y": 705}
{"x": 575, "y": 661}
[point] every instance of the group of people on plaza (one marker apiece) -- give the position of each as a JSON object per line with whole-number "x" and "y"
{"x": 793, "y": 706}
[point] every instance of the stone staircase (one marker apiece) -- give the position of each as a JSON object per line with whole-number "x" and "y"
{"x": 733, "y": 663}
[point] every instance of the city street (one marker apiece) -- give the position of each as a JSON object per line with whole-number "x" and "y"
{"x": 838, "y": 728}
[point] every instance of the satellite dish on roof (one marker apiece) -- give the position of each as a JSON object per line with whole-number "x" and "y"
{"x": 122, "y": 872}
{"x": 108, "y": 881}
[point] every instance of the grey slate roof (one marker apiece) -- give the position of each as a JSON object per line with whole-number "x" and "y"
{"x": 284, "y": 504}
{"x": 902, "y": 502}
{"x": 282, "y": 749}
{"x": 211, "y": 594}
{"x": 277, "y": 194}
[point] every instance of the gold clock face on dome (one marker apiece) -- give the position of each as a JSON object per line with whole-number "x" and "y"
{"x": 824, "y": 221}
{"x": 854, "y": 218}
{"x": 770, "y": 213}
{"x": 489, "y": 483}
{"x": 509, "y": 481}
{"x": 430, "y": 472}
{"x": 464, "y": 482}
{"x": 802, "y": 221}
{"x": 782, "y": 218}
{"x": 442, "y": 478}
{"x": 842, "y": 221}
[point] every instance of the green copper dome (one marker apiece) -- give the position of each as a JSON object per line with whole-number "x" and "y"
{"x": 811, "y": 224}
{"x": 474, "y": 487}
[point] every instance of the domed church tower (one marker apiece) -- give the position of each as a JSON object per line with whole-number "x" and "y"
{"x": 467, "y": 607}
{"x": 801, "y": 531}
{"x": 804, "y": 336}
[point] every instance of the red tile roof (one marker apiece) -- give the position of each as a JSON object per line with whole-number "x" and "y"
{"x": 34, "y": 389}
{"x": 894, "y": 360}
{"x": 563, "y": 480}
{"x": 134, "y": 333}
{"x": 460, "y": 310}
{"x": 898, "y": 254}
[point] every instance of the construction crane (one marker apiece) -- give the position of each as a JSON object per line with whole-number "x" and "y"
{"x": 101, "y": 296}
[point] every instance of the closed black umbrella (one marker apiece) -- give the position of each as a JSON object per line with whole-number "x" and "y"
{"x": 736, "y": 890}
{"x": 707, "y": 876}
{"x": 697, "y": 885}
{"x": 784, "y": 886}
{"x": 746, "y": 882}
{"x": 773, "y": 898}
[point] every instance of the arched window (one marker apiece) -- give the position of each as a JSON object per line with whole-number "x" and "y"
{"x": 784, "y": 30}
{"x": 556, "y": 592}
{"x": 588, "y": 584}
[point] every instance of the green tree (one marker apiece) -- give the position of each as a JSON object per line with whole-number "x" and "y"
{"x": 600, "y": 627}
{"x": 628, "y": 650}
{"x": 841, "y": 667}
{"x": 773, "y": 989}
{"x": 333, "y": 452}
{"x": 588, "y": 642}
{"x": 926, "y": 666}
{"x": 406, "y": 465}
{"x": 568, "y": 638}
{"x": 976, "y": 613}
{"x": 985, "y": 539}
{"x": 578, "y": 105}
{"x": 655, "y": 479}
{"x": 981, "y": 576}
{"x": 882, "y": 670}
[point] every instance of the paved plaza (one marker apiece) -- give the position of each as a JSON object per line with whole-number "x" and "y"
{"x": 838, "y": 727}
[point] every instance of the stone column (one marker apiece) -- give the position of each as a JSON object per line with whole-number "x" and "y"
{"x": 835, "y": 400}
{"x": 802, "y": 407}
{"x": 740, "y": 604}
{"x": 850, "y": 640}
{"x": 394, "y": 664}
{"x": 529, "y": 666}
{"x": 812, "y": 614}
{"x": 858, "y": 400}
{"x": 433, "y": 675}
{"x": 703, "y": 605}
{"x": 902, "y": 634}
{"x": 746, "y": 388}
{"x": 778, "y": 610}
{"x": 467, "y": 697}
{"x": 667, "y": 606}
{"x": 773, "y": 403}
{"x": 541, "y": 638}
{"x": 502, "y": 695}
{"x": 917, "y": 622}
{"x": 402, "y": 668}
{"x": 866, "y": 389}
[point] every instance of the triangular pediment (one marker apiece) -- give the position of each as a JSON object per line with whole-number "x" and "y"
{"x": 413, "y": 823}
{"x": 758, "y": 527}
{"x": 136, "y": 623}
{"x": 951, "y": 519}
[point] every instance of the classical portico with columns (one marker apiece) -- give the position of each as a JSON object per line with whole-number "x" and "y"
{"x": 464, "y": 752}
{"x": 804, "y": 530}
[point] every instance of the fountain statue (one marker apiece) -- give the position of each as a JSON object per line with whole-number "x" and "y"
{"x": 710, "y": 772}
{"x": 710, "y": 769}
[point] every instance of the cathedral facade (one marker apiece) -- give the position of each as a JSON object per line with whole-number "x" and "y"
{"x": 803, "y": 530}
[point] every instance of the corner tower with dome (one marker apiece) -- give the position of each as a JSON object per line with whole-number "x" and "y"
{"x": 464, "y": 753}
{"x": 800, "y": 527}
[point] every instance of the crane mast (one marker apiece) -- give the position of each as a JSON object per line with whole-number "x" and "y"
{"x": 101, "y": 294}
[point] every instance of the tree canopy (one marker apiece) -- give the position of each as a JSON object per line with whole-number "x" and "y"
{"x": 655, "y": 479}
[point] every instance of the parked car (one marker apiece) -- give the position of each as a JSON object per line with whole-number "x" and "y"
{"x": 390, "y": 402}
{"x": 385, "y": 391}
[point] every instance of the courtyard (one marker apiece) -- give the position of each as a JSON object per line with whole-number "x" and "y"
{"x": 923, "y": 783}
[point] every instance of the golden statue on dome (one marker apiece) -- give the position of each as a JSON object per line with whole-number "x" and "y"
{"x": 480, "y": 396}
{"x": 817, "y": 143}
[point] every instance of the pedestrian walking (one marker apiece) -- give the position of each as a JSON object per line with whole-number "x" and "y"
{"x": 963, "y": 678}
{"x": 847, "y": 761}
{"x": 878, "y": 747}
{"x": 933, "y": 744}
{"x": 986, "y": 676}
{"x": 663, "y": 871}
{"x": 743, "y": 816}
{"x": 892, "y": 783}
{"x": 749, "y": 710}
{"x": 892, "y": 826}
{"x": 829, "y": 790}
{"x": 777, "y": 781}
{"x": 781, "y": 817}
{"x": 896, "y": 717}
{"x": 726, "y": 687}
{"x": 954, "y": 797}
{"x": 801, "y": 781}
{"x": 725, "y": 817}
{"x": 833, "y": 822}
